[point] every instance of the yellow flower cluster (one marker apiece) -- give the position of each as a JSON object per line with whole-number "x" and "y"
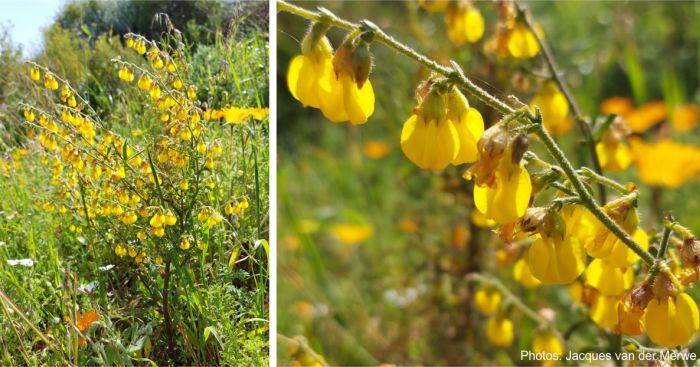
{"x": 337, "y": 84}
{"x": 144, "y": 191}
{"x": 512, "y": 36}
{"x": 464, "y": 21}
{"x": 442, "y": 130}
{"x": 236, "y": 115}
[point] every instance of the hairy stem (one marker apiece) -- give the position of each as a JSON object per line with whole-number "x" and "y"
{"x": 587, "y": 199}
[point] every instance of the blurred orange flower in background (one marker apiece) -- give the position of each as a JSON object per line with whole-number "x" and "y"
{"x": 665, "y": 163}
{"x": 376, "y": 149}
{"x": 685, "y": 117}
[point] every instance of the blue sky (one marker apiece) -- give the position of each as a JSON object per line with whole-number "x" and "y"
{"x": 26, "y": 19}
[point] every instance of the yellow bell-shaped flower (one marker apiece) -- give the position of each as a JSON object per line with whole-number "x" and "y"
{"x": 613, "y": 156}
{"x": 508, "y": 198}
{"x": 351, "y": 95}
{"x": 310, "y": 75}
{"x": 522, "y": 43}
{"x": 556, "y": 256}
{"x": 613, "y": 153}
{"x": 429, "y": 137}
{"x": 602, "y": 242}
{"x": 622, "y": 256}
{"x": 502, "y": 187}
{"x": 554, "y": 108}
{"x": 556, "y": 261}
{"x": 671, "y": 321}
{"x": 464, "y": 23}
{"x": 487, "y": 301}
{"x": 499, "y": 330}
{"x": 547, "y": 342}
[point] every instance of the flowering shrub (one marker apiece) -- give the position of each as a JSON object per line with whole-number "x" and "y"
{"x": 558, "y": 224}
{"x": 167, "y": 196}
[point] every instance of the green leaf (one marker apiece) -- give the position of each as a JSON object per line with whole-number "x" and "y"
{"x": 234, "y": 256}
{"x": 209, "y": 330}
{"x": 636, "y": 75}
{"x": 265, "y": 246}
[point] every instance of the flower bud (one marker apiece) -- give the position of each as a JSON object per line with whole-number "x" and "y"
{"x": 664, "y": 286}
{"x": 491, "y": 146}
{"x": 313, "y": 40}
{"x": 361, "y": 63}
{"x": 533, "y": 219}
{"x": 690, "y": 252}
{"x": 519, "y": 146}
{"x": 433, "y": 107}
{"x": 342, "y": 60}
{"x": 553, "y": 226}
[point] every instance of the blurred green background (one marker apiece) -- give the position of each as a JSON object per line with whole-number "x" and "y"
{"x": 400, "y": 295}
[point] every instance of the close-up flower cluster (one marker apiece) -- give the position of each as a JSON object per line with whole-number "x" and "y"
{"x": 578, "y": 235}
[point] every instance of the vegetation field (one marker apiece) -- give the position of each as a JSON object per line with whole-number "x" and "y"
{"x": 134, "y": 187}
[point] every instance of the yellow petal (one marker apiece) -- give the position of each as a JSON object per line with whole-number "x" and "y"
{"x": 359, "y": 103}
{"x": 556, "y": 263}
{"x": 522, "y": 274}
{"x": 469, "y": 130}
{"x": 604, "y": 311}
{"x": 522, "y": 43}
{"x": 429, "y": 145}
{"x": 610, "y": 281}
{"x": 499, "y": 331}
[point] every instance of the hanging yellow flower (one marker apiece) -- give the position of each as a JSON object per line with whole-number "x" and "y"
{"x": 429, "y": 138}
{"x": 554, "y": 108}
{"x": 310, "y": 75}
{"x": 499, "y": 330}
{"x": 352, "y": 96}
{"x": 556, "y": 261}
{"x": 622, "y": 256}
{"x": 502, "y": 188}
{"x": 487, "y": 301}
{"x": 671, "y": 321}
{"x": 613, "y": 156}
{"x": 522, "y": 43}
{"x": 613, "y": 153}
{"x": 602, "y": 242}
{"x": 464, "y": 23}
{"x": 556, "y": 256}
{"x": 34, "y": 73}
{"x": 547, "y": 342}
